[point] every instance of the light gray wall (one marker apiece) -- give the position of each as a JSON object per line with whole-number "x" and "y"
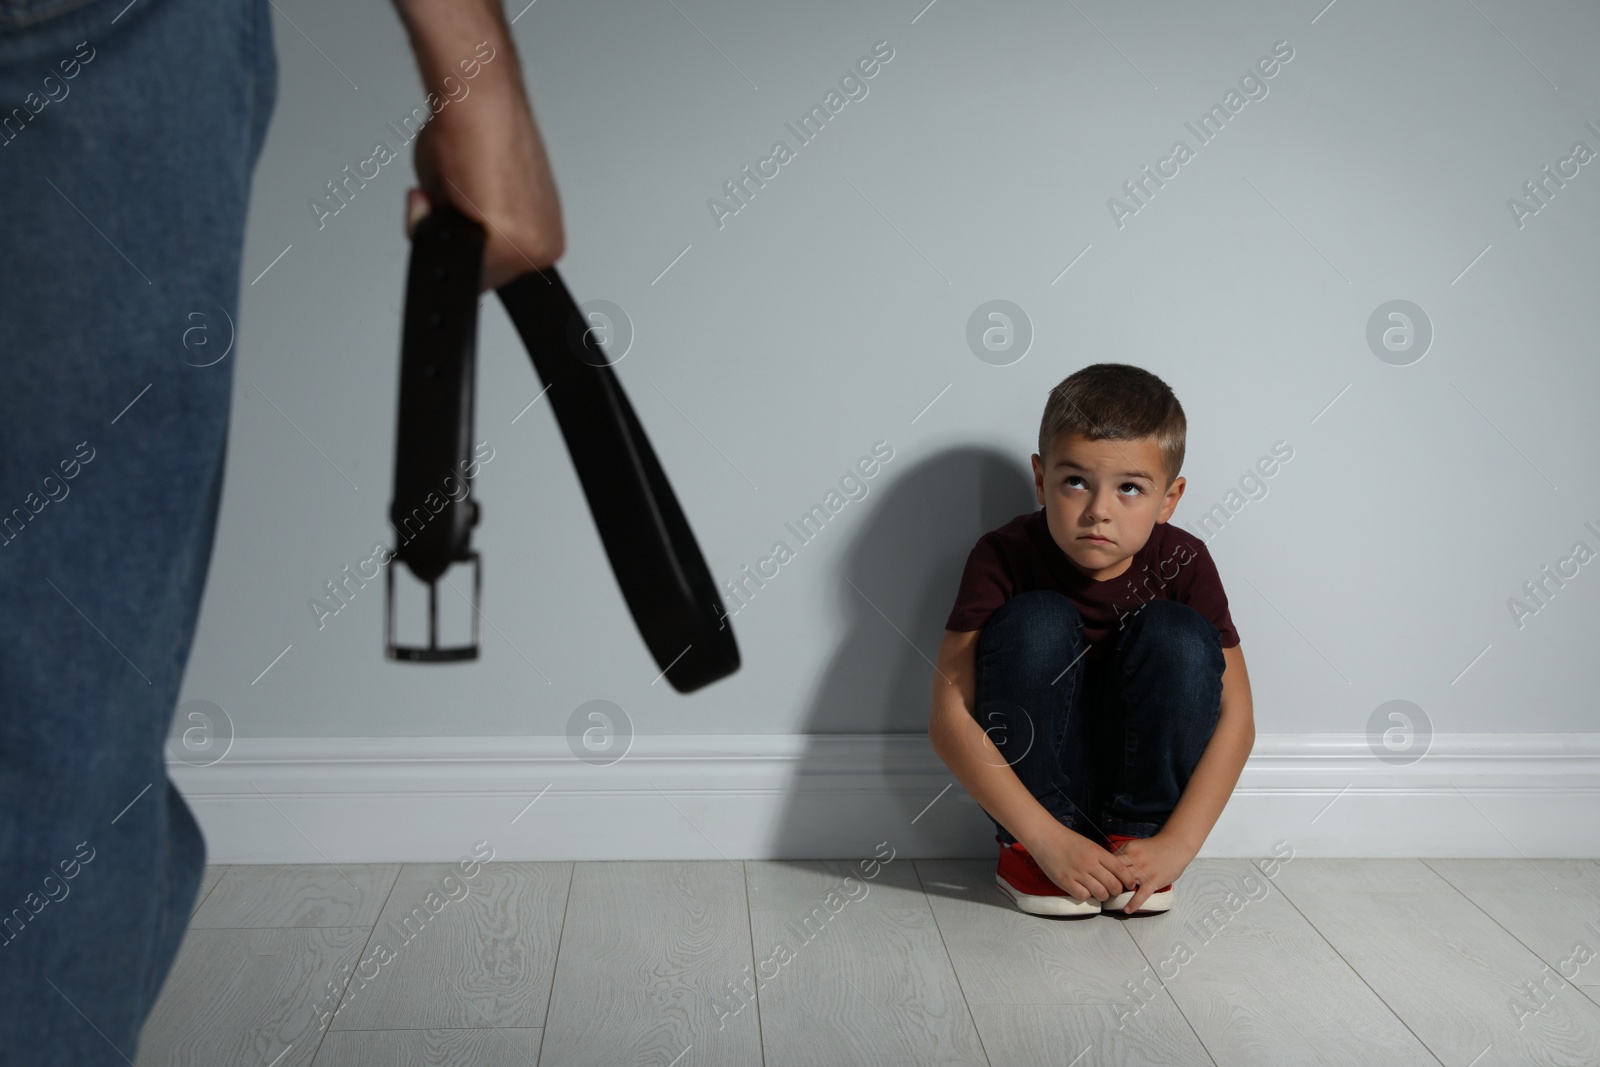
{"x": 832, "y": 310}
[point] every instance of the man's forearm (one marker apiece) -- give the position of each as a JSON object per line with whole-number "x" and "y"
{"x": 484, "y": 155}
{"x": 445, "y": 34}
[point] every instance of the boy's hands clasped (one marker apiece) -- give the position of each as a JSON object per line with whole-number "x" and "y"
{"x": 1155, "y": 862}
{"x": 1078, "y": 865}
{"x": 1083, "y": 869}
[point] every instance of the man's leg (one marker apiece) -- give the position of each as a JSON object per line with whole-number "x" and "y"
{"x": 1029, "y": 682}
{"x": 1167, "y": 667}
{"x": 119, "y": 282}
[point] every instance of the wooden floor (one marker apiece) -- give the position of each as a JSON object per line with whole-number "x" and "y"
{"x": 1369, "y": 962}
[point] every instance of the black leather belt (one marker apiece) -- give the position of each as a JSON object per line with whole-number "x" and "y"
{"x": 653, "y": 553}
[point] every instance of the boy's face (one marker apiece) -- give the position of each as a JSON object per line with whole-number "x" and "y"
{"x": 1102, "y": 498}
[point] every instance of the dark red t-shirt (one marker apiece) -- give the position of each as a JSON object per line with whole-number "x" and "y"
{"x": 1022, "y": 556}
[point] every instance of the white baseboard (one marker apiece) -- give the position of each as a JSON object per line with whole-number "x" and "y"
{"x": 766, "y": 796}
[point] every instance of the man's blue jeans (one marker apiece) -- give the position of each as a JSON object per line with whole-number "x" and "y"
{"x": 1108, "y": 748}
{"x": 128, "y": 136}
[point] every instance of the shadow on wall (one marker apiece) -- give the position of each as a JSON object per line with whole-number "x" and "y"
{"x": 897, "y": 583}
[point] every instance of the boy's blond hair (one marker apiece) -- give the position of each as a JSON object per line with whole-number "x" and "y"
{"x": 1116, "y": 402}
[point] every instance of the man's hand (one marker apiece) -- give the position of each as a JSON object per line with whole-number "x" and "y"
{"x": 482, "y": 152}
{"x": 1155, "y": 862}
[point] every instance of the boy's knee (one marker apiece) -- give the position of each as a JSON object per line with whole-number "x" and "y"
{"x": 1043, "y": 619}
{"x": 1184, "y": 637}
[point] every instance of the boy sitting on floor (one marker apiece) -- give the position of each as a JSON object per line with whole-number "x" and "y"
{"x": 1090, "y": 691}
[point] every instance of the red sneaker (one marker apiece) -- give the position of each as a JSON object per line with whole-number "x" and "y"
{"x": 1020, "y": 877}
{"x": 1160, "y": 900}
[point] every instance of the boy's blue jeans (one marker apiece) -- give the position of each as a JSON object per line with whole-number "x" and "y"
{"x": 1106, "y": 749}
{"x": 119, "y": 290}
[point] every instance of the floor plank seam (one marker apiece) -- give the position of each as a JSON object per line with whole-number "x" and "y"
{"x": 1582, "y": 991}
{"x": 1363, "y": 978}
{"x": 343, "y": 990}
{"x": 1174, "y": 1000}
{"x": 750, "y": 928}
{"x": 954, "y": 971}
{"x": 555, "y": 962}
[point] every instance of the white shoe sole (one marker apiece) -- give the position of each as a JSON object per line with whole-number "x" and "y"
{"x": 1157, "y": 902}
{"x": 1035, "y": 905}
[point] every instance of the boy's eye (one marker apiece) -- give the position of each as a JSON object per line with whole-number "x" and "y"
{"x": 1125, "y": 485}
